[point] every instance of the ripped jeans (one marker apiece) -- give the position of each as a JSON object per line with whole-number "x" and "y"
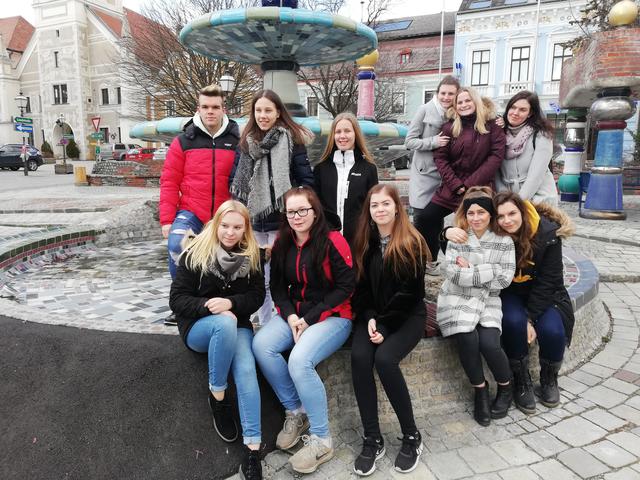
{"x": 184, "y": 221}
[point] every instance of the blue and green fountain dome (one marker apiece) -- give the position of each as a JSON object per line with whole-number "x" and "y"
{"x": 280, "y": 40}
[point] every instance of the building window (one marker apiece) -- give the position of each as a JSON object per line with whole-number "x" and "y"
{"x": 58, "y": 33}
{"x": 55, "y": 59}
{"x": 560, "y": 54}
{"x": 60, "y": 94}
{"x": 170, "y": 108}
{"x": 105, "y": 134}
{"x": 119, "y": 95}
{"x": 480, "y": 67}
{"x": 27, "y": 109}
{"x": 312, "y": 106}
{"x": 428, "y": 95}
{"x": 519, "y": 64}
{"x": 105, "y": 96}
{"x": 397, "y": 103}
{"x": 405, "y": 58}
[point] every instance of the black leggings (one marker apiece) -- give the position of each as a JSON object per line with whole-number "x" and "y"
{"x": 429, "y": 221}
{"x": 486, "y": 341}
{"x": 386, "y": 358}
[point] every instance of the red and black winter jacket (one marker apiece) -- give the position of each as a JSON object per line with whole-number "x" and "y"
{"x": 195, "y": 175}
{"x": 301, "y": 291}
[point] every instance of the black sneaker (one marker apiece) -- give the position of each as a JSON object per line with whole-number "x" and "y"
{"x": 251, "y": 468}
{"x": 171, "y": 320}
{"x": 372, "y": 450}
{"x": 409, "y": 454}
{"x": 223, "y": 420}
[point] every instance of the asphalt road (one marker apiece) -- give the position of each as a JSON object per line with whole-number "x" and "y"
{"x": 84, "y": 404}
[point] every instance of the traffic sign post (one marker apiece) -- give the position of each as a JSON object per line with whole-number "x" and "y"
{"x": 23, "y": 120}
{"x": 97, "y": 136}
{"x": 24, "y": 128}
{"x": 96, "y": 123}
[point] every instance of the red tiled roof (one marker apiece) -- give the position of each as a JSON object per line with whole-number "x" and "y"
{"x": 16, "y": 33}
{"x": 113, "y": 23}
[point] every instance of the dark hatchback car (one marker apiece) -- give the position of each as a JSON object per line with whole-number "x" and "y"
{"x": 11, "y": 157}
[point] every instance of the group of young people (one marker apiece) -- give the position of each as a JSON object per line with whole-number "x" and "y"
{"x": 322, "y": 254}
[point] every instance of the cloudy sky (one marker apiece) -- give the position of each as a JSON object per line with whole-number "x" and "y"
{"x": 399, "y": 8}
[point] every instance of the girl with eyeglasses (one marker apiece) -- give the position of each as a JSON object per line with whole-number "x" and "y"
{"x": 390, "y": 257}
{"x": 312, "y": 283}
{"x": 270, "y": 159}
{"x": 345, "y": 174}
{"x": 218, "y": 285}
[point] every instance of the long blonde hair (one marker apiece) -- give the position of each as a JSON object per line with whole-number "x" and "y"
{"x": 201, "y": 250}
{"x": 482, "y": 114}
{"x": 360, "y": 144}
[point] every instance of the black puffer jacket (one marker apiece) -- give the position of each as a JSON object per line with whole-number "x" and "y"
{"x": 189, "y": 292}
{"x": 542, "y": 284}
{"x": 385, "y": 296}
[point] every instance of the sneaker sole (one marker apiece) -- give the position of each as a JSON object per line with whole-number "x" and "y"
{"x": 304, "y": 430}
{"x": 373, "y": 468}
{"x": 313, "y": 468}
{"x": 420, "y": 449}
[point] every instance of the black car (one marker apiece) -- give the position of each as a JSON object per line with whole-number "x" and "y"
{"x": 11, "y": 157}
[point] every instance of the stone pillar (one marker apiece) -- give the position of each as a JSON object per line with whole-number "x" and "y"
{"x": 604, "y": 197}
{"x": 366, "y": 86}
{"x": 573, "y": 152}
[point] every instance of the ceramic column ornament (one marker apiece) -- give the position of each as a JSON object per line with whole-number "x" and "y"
{"x": 609, "y": 112}
{"x": 573, "y": 152}
{"x": 366, "y": 85}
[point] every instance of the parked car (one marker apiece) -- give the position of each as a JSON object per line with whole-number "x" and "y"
{"x": 140, "y": 154}
{"x": 11, "y": 157}
{"x": 117, "y": 151}
{"x": 160, "y": 153}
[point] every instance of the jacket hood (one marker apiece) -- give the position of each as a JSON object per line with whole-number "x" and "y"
{"x": 229, "y": 127}
{"x": 566, "y": 227}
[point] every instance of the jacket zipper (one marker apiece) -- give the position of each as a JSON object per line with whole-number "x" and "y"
{"x": 213, "y": 177}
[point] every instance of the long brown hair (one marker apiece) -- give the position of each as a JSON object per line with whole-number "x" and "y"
{"x": 460, "y": 218}
{"x": 523, "y": 238}
{"x": 537, "y": 119}
{"x": 406, "y": 250}
{"x": 299, "y": 134}
{"x": 360, "y": 142}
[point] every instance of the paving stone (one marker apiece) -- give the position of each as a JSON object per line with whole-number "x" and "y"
{"x": 574, "y": 407}
{"x": 620, "y": 386}
{"x": 611, "y": 454}
{"x": 627, "y": 412}
{"x": 520, "y": 473}
{"x": 605, "y": 397}
{"x": 583, "y": 463}
{"x": 624, "y": 474}
{"x": 628, "y": 441}
{"x": 576, "y": 431}
{"x": 516, "y": 452}
{"x": 571, "y": 385}
{"x": 610, "y": 360}
{"x": 543, "y": 443}
{"x": 553, "y": 470}
{"x": 448, "y": 466}
{"x": 528, "y": 426}
{"x": 584, "y": 378}
{"x": 482, "y": 459}
{"x": 604, "y": 419}
{"x": 539, "y": 422}
{"x": 634, "y": 402}
{"x": 421, "y": 472}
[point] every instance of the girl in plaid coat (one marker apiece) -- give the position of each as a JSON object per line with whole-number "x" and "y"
{"x": 469, "y": 307}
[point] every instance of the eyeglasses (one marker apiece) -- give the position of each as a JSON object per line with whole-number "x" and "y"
{"x": 302, "y": 212}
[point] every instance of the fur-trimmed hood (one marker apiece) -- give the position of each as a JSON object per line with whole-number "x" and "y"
{"x": 566, "y": 227}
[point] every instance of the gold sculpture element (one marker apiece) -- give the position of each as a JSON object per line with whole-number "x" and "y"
{"x": 623, "y": 13}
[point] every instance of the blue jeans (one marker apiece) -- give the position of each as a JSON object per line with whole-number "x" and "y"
{"x": 229, "y": 348}
{"x": 549, "y": 330}
{"x": 184, "y": 221}
{"x": 298, "y": 383}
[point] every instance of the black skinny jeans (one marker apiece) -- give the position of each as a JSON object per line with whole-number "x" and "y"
{"x": 386, "y": 358}
{"x": 485, "y": 341}
{"x": 429, "y": 221}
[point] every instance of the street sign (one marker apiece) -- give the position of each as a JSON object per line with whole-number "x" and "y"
{"x": 23, "y": 120}
{"x": 23, "y": 128}
{"x": 96, "y": 122}
{"x": 97, "y": 136}
{"x": 97, "y": 149}
{"x": 68, "y": 136}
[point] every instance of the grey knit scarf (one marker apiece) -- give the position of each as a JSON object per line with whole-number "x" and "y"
{"x": 230, "y": 265}
{"x": 251, "y": 184}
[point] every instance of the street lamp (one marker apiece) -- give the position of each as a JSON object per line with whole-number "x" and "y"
{"x": 60, "y": 123}
{"x": 228, "y": 85}
{"x": 21, "y": 101}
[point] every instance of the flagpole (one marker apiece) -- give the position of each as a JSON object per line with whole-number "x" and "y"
{"x": 442, "y": 40}
{"x": 535, "y": 49}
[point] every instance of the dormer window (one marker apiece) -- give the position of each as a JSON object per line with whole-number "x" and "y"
{"x": 405, "y": 56}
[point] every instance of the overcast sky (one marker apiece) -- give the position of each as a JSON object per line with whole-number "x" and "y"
{"x": 399, "y": 8}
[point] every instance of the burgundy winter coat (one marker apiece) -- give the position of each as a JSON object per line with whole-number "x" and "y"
{"x": 470, "y": 160}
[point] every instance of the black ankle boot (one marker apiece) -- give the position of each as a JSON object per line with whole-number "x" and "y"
{"x": 548, "y": 392}
{"x": 223, "y": 419}
{"x": 501, "y": 404}
{"x": 523, "y": 395}
{"x": 481, "y": 410}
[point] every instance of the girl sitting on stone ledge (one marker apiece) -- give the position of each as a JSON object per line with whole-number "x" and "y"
{"x": 390, "y": 257}
{"x": 469, "y": 307}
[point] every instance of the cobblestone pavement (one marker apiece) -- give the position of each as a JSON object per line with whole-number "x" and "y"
{"x": 593, "y": 434}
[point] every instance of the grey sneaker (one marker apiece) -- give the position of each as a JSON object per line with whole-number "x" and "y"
{"x": 433, "y": 269}
{"x": 311, "y": 456}
{"x": 294, "y": 427}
